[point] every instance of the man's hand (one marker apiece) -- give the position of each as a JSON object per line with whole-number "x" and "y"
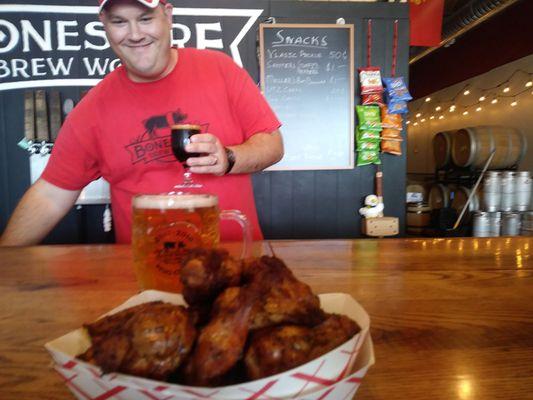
{"x": 213, "y": 159}
{"x": 257, "y": 153}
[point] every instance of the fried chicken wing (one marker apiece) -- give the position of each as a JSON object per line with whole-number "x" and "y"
{"x": 277, "y": 349}
{"x": 205, "y": 273}
{"x": 221, "y": 342}
{"x": 150, "y": 340}
{"x": 334, "y": 331}
{"x": 283, "y": 299}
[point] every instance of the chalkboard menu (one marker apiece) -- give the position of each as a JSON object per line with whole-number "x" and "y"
{"x": 307, "y": 76}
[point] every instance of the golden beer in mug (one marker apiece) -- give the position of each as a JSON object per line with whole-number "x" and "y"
{"x": 166, "y": 226}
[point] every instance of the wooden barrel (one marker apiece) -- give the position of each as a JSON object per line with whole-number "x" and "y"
{"x": 418, "y": 218}
{"x": 471, "y": 147}
{"x": 439, "y": 196}
{"x": 460, "y": 196}
{"x": 442, "y": 149}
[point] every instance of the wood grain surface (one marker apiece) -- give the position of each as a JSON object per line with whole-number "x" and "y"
{"x": 450, "y": 318}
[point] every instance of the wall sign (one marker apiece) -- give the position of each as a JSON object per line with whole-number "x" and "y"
{"x": 307, "y": 76}
{"x": 52, "y": 45}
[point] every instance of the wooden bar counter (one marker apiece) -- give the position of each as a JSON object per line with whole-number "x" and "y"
{"x": 450, "y": 318}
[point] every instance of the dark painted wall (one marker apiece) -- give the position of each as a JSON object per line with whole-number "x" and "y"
{"x": 291, "y": 204}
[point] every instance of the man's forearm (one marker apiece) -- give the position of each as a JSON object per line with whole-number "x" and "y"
{"x": 39, "y": 210}
{"x": 257, "y": 153}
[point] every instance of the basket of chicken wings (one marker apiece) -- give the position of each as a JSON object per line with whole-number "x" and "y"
{"x": 241, "y": 330}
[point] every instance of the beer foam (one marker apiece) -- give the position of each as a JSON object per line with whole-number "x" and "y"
{"x": 181, "y": 201}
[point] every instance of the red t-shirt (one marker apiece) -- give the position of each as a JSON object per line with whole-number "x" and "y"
{"x": 120, "y": 131}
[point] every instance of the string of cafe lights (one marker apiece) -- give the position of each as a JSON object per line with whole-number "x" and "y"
{"x": 487, "y": 97}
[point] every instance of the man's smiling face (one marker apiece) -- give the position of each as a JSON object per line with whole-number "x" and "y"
{"x": 140, "y": 37}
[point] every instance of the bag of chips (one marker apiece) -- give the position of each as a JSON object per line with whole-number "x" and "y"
{"x": 372, "y": 98}
{"x": 370, "y": 79}
{"x": 388, "y": 133}
{"x": 390, "y": 121}
{"x": 392, "y": 146}
{"x": 397, "y": 107}
{"x": 368, "y": 145}
{"x": 362, "y": 135}
{"x": 396, "y": 89}
{"x": 369, "y": 118}
{"x": 368, "y": 157}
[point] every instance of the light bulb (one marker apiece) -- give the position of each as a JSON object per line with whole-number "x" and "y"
{"x": 482, "y": 98}
{"x": 418, "y": 115}
{"x": 506, "y": 89}
{"x": 415, "y": 124}
{"x": 432, "y": 117}
{"x": 408, "y": 122}
{"x": 438, "y": 108}
{"x": 423, "y": 120}
{"x": 529, "y": 83}
{"x": 441, "y": 117}
{"x": 465, "y": 113}
{"x": 494, "y": 101}
{"x": 514, "y": 103}
{"x": 479, "y": 109}
{"x": 466, "y": 92}
{"x": 428, "y": 99}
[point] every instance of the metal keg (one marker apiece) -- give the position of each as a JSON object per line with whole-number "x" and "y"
{"x": 492, "y": 191}
{"x": 481, "y": 224}
{"x": 510, "y": 224}
{"x": 495, "y": 222}
{"x": 508, "y": 190}
{"x": 527, "y": 224}
{"x": 522, "y": 190}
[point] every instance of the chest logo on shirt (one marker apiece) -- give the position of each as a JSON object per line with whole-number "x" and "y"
{"x": 154, "y": 143}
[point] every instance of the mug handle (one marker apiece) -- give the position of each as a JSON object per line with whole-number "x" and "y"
{"x": 244, "y": 223}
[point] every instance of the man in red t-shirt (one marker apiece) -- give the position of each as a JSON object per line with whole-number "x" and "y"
{"x": 120, "y": 130}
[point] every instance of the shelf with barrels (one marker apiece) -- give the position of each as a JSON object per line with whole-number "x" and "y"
{"x": 500, "y": 206}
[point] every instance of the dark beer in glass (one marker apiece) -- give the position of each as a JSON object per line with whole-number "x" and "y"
{"x": 180, "y": 136}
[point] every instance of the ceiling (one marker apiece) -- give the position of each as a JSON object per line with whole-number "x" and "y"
{"x": 481, "y": 42}
{"x": 460, "y": 16}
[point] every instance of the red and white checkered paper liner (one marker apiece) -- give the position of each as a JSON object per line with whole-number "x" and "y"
{"x": 335, "y": 375}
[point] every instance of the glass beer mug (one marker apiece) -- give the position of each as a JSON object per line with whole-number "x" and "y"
{"x": 165, "y": 226}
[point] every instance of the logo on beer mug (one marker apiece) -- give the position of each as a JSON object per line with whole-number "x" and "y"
{"x": 172, "y": 242}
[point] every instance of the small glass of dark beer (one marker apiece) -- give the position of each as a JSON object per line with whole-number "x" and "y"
{"x": 180, "y": 136}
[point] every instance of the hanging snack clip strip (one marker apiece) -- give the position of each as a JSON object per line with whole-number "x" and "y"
{"x": 369, "y": 118}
